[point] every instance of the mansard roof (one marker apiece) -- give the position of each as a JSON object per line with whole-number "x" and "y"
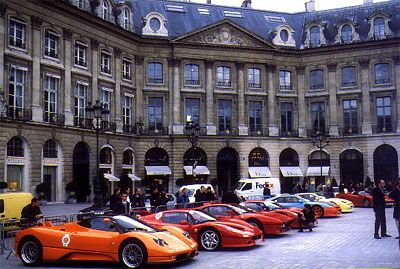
{"x": 190, "y": 17}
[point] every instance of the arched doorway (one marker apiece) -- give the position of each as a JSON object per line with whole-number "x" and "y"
{"x": 386, "y": 164}
{"x": 197, "y": 157}
{"x": 156, "y": 163}
{"x": 290, "y": 172}
{"x": 259, "y": 163}
{"x": 227, "y": 169}
{"x": 80, "y": 167}
{"x": 318, "y": 168}
{"x": 351, "y": 167}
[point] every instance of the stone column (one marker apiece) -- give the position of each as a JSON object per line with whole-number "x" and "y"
{"x": 396, "y": 61}
{"x": 68, "y": 88}
{"x": 139, "y": 78}
{"x": 211, "y": 128}
{"x": 272, "y": 104}
{"x": 333, "y": 116}
{"x": 365, "y": 87}
{"x": 94, "y": 45}
{"x": 3, "y": 9}
{"x": 300, "y": 72}
{"x": 243, "y": 129}
{"x": 118, "y": 78}
{"x": 37, "y": 110}
{"x": 177, "y": 126}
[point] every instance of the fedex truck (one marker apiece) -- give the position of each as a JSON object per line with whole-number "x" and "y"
{"x": 255, "y": 186}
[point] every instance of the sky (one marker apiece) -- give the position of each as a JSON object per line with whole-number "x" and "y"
{"x": 288, "y": 5}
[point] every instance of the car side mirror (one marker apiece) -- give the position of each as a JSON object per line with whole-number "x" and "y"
{"x": 184, "y": 222}
{"x": 230, "y": 212}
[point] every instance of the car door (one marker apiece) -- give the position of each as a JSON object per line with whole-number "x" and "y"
{"x": 176, "y": 219}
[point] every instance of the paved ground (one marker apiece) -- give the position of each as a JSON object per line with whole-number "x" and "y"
{"x": 344, "y": 242}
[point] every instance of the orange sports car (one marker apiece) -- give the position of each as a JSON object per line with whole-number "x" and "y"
{"x": 122, "y": 239}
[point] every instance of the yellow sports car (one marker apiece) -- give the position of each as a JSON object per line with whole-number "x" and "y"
{"x": 345, "y": 205}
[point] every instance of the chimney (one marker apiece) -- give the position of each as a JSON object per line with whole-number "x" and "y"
{"x": 310, "y": 6}
{"x": 368, "y": 2}
{"x": 246, "y": 3}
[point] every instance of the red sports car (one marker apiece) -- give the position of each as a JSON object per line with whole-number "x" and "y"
{"x": 268, "y": 225}
{"x": 363, "y": 199}
{"x": 206, "y": 230}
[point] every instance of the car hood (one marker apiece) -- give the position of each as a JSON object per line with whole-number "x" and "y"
{"x": 174, "y": 243}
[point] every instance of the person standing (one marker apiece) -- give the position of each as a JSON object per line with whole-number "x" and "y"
{"x": 395, "y": 195}
{"x": 137, "y": 199}
{"x": 122, "y": 207}
{"x": 32, "y": 212}
{"x": 182, "y": 197}
{"x": 266, "y": 191}
{"x": 115, "y": 197}
{"x": 379, "y": 208}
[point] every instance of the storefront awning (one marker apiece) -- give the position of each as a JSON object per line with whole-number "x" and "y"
{"x": 291, "y": 171}
{"x": 111, "y": 177}
{"x": 261, "y": 171}
{"x": 200, "y": 170}
{"x": 157, "y": 170}
{"x": 315, "y": 171}
{"x": 134, "y": 177}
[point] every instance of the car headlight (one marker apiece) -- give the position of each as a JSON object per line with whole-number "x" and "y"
{"x": 187, "y": 235}
{"x": 160, "y": 242}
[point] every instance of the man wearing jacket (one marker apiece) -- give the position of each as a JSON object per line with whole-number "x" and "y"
{"x": 395, "y": 195}
{"x": 379, "y": 209}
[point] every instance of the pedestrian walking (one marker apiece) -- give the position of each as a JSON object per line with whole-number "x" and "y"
{"x": 395, "y": 195}
{"x": 378, "y": 197}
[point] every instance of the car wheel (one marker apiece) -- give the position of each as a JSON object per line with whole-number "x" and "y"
{"x": 209, "y": 239}
{"x": 367, "y": 203}
{"x": 132, "y": 254}
{"x": 318, "y": 211}
{"x": 257, "y": 224}
{"x": 30, "y": 251}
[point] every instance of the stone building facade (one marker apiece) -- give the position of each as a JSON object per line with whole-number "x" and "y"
{"x": 260, "y": 85}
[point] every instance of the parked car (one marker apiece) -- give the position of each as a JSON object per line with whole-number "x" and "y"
{"x": 209, "y": 233}
{"x": 363, "y": 199}
{"x": 345, "y": 205}
{"x": 122, "y": 239}
{"x": 12, "y": 203}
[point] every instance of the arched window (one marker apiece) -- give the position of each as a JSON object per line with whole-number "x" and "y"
{"x": 379, "y": 28}
{"x": 15, "y": 147}
{"x": 106, "y": 155}
{"x": 127, "y": 157}
{"x": 50, "y": 149}
{"x": 258, "y": 157}
{"x": 315, "y": 38}
{"x": 347, "y": 34}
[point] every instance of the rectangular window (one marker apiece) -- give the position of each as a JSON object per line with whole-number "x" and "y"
{"x": 349, "y": 76}
{"x": 224, "y": 76}
{"x": 17, "y": 34}
{"x": 16, "y": 92}
{"x": 126, "y": 69}
{"x": 224, "y": 116}
{"x": 285, "y": 80}
{"x": 80, "y": 54}
{"x": 127, "y": 110}
{"x": 255, "y": 116}
{"x": 317, "y": 79}
{"x": 382, "y": 73}
{"x": 318, "y": 117}
{"x": 51, "y": 45}
{"x": 192, "y": 109}
{"x": 350, "y": 116}
{"x": 155, "y": 73}
{"x": 254, "y": 78}
{"x": 384, "y": 114}
{"x": 106, "y": 97}
{"x": 286, "y": 118}
{"x": 155, "y": 113}
{"x": 51, "y": 88}
{"x": 192, "y": 74}
{"x": 80, "y": 103}
{"x": 105, "y": 62}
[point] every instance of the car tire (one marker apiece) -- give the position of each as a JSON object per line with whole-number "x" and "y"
{"x": 257, "y": 224}
{"x": 30, "y": 251}
{"x": 318, "y": 211}
{"x": 209, "y": 239}
{"x": 366, "y": 203}
{"x": 132, "y": 254}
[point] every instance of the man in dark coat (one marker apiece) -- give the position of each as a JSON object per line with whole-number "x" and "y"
{"x": 395, "y": 195}
{"x": 230, "y": 198}
{"x": 122, "y": 207}
{"x": 137, "y": 199}
{"x": 379, "y": 209}
{"x": 306, "y": 218}
{"x": 32, "y": 212}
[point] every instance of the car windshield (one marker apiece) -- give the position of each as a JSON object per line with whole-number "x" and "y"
{"x": 239, "y": 210}
{"x": 129, "y": 224}
{"x": 200, "y": 217}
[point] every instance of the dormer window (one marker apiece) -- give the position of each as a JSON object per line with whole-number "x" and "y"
{"x": 105, "y": 11}
{"x": 127, "y": 19}
{"x": 284, "y": 36}
{"x": 347, "y": 34}
{"x": 154, "y": 25}
{"x": 315, "y": 36}
{"x": 379, "y": 28}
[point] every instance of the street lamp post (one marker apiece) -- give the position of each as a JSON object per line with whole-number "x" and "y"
{"x": 192, "y": 130}
{"x": 320, "y": 141}
{"x": 97, "y": 112}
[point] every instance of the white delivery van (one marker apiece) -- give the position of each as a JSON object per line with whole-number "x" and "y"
{"x": 255, "y": 186}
